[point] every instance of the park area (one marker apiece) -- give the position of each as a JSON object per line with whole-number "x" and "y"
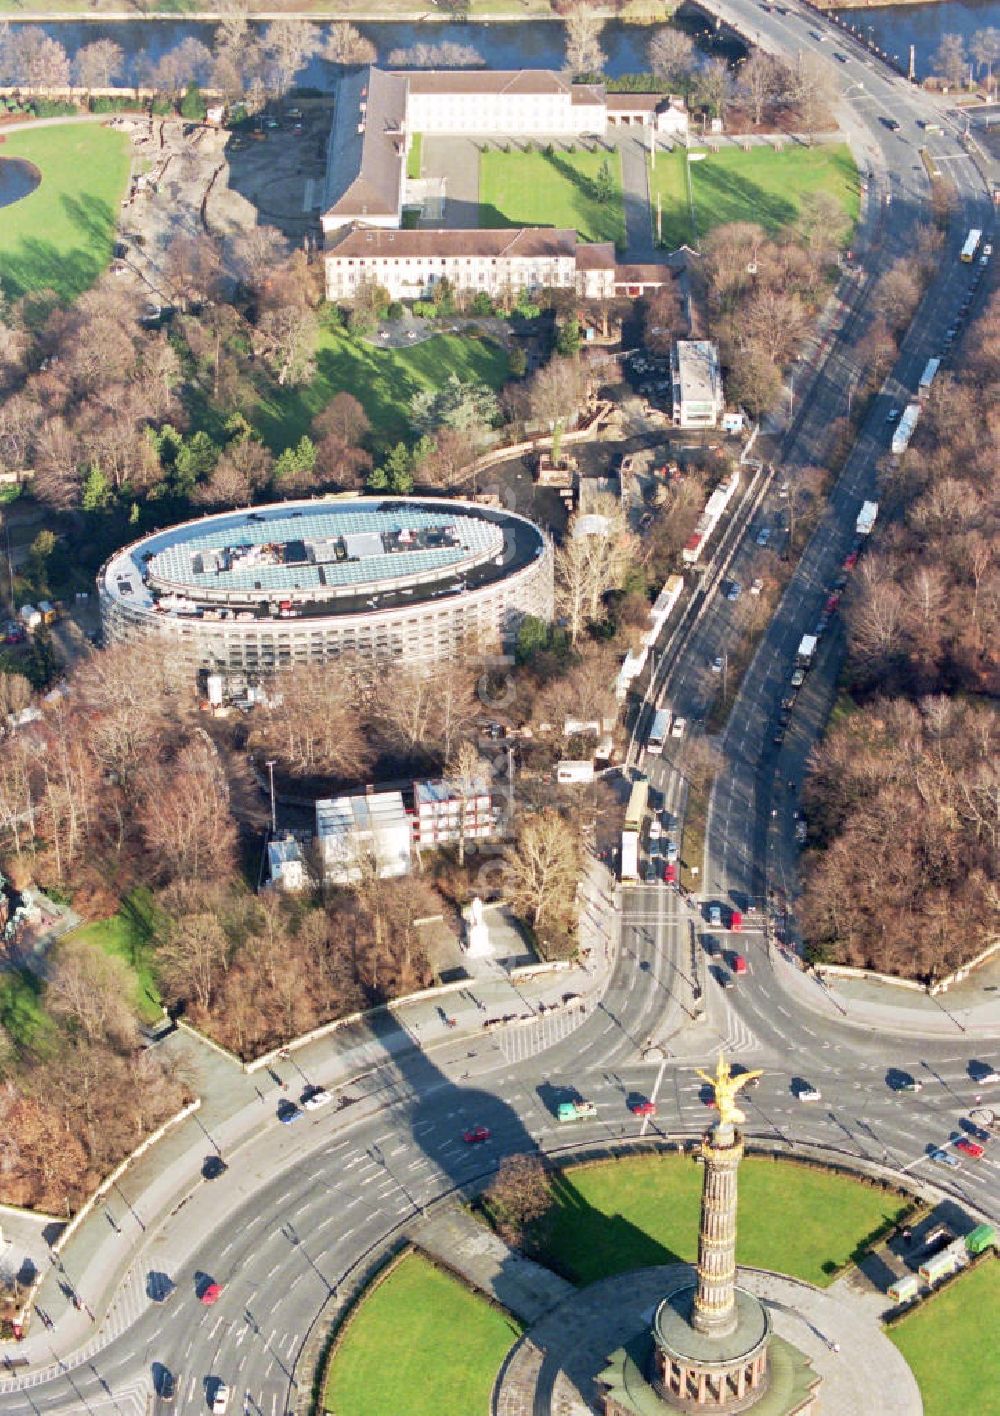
{"x": 418, "y": 1343}
{"x": 60, "y": 237}
{"x": 639, "y": 1212}
{"x": 950, "y": 1343}
{"x": 383, "y": 379}
{"x": 761, "y": 185}
{"x": 558, "y": 188}
{"x": 128, "y": 937}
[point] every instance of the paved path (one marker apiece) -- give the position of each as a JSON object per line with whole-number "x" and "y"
{"x": 640, "y": 248}
{"x": 552, "y": 1370}
{"x": 524, "y": 1288}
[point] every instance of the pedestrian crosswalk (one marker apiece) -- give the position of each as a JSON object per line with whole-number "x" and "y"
{"x": 529, "y": 1039}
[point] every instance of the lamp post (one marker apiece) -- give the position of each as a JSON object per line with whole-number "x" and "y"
{"x": 270, "y": 774}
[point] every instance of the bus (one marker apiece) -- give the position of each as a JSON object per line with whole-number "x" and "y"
{"x": 659, "y": 732}
{"x": 971, "y": 246}
{"x": 632, "y": 829}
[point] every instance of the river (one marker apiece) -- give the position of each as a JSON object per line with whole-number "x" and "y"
{"x": 895, "y": 27}
{"x": 539, "y": 43}
{"x": 533, "y": 44}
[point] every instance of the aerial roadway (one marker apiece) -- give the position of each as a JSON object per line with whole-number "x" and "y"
{"x": 280, "y": 1231}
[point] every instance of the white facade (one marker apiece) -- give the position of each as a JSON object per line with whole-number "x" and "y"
{"x": 286, "y": 867}
{"x": 361, "y": 833}
{"x": 697, "y": 383}
{"x": 445, "y": 104}
{"x": 409, "y": 264}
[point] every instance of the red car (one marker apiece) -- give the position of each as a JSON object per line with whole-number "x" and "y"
{"x": 670, "y": 874}
{"x": 643, "y": 1108}
{"x": 851, "y": 561}
{"x": 211, "y": 1294}
{"x": 739, "y": 964}
{"x": 735, "y": 921}
{"x": 832, "y": 602}
{"x": 475, "y": 1135}
{"x": 970, "y": 1148}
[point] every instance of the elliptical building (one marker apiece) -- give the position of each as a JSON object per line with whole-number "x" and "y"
{"x": 374, "y": 578}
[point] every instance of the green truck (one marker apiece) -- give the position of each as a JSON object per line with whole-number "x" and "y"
{"x": 984, "y": 1236}
{"x": 575, "y": 1110}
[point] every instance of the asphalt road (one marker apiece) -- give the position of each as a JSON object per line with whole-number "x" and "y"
{"x": 305, "y": 1203}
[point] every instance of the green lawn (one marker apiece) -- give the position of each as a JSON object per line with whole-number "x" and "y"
{"x": 643, "y": 1211}
{"x": 531, "y": 189}
{"x": 22, "y": 1015}
{"x": 61, "y": 236}
{"x": 761, "y": 185}
{"x": 951, "y": 1345}
{"x": 413, "y": 157}
{"x": 420, "y": 1343}
{"x": 383, "y": 379}
{"x": 127, "y": 935}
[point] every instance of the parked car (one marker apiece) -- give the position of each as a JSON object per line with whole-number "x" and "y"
{"x": 756, "y": 586}
{"x": 739, "y": 964}
{"x": 316, "y": 1097}
{"x": 763, "y": 535}
{"x": 801, "y": 831}
{"x": 734, "y": 590}
{"x": 679, "y": 728}
{"x": 970, "y": 1148}
{"x": 715, "y": 916}
{"x": 832, "y": 601}
{"x": 476, "y": 1135}
{"x": 210, "y": 1294}
{"x": 288, "y": 1112}
{"x": 716, "y": 665}
{"x": 670, "y": 874}
{"x": 806, "y": 1092}
{"x": 945, "y": 1157}
{"x": 673, "y": 851}
{"x": 643, "y": 1108}
{"x": 892, "y": 415}
{"x": 220, "y": 1401}
{"x": 851, "y": 561}
{"x": 903, "y": 1082}
{"x": 655, "y": 829}
{"x": 798, "y": 678}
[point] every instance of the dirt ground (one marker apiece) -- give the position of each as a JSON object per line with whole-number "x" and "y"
{"x": 191, "y": 177}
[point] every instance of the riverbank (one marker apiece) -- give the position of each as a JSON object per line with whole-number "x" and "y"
{"x": 489, "y": 11}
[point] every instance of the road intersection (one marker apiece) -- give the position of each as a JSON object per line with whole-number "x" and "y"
{"x": 301, "y": 1209}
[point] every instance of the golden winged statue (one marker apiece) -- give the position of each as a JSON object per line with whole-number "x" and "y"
{"x": 726, "y": 1088}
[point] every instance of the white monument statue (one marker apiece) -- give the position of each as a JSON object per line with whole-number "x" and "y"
{"x": 477, "y": 944}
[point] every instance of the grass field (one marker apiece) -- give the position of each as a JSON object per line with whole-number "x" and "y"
{"x": 950, "y": 1344}
{"x": 761, "y": 185}
{"x": 383, "y": 379}
{"x": 61, "y": 236}
{"x": 414, "y": 156}
{"x": 644, "y": 1211}
{"x": 531, "y": 189}
{"x": 420, "y": 1343}
{"x": 22, "y": 1015}
{"x": 127, "y": 936}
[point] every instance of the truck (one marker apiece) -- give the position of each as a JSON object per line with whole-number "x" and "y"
{"x": 578, "y": 1110}
{"x": 905, "y": 429}
{"x": 866, "y": 518}
{"x": 984, "y": 1236}
{"x": 659, "y": 732}
{"x": 806, "y": 650}
{"x": 632, "y": 829}
{"x": 928, "y": 377}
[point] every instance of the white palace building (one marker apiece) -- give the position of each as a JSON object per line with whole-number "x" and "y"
{"x": 378, "y": 114}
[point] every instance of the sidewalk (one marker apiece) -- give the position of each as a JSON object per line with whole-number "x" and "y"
{"x": 236, "y": 1108}
{"x": 965, "y": 1011}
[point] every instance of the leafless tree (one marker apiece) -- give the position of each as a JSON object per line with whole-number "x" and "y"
{"x": 985, "y": 49}
{"x": 518, "y": 1197}
{"x": 287, "y": 46}
{"x": 91, "y": 990}
{"x": 584, "y": 54}
{"x": 189, "y": 62}
{"x": 345, "y": 44}
{"x": 311, "y": 729}
{"x": 671, "y": 54}
{"x": 950, "y": 60}
{"x": 99, "y": 64}
{"x": 543, "y": 867}
{"x": 759, "y": 84}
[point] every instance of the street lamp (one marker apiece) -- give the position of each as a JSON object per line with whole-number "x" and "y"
{"x": 274, "y": 819}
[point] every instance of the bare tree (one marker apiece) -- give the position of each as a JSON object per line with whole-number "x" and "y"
{"x": 593, "y": 560}
{"x": 309, "y": 728}
{"x": 191, "y": 957}
{"x": 584, "y": 54}
{"x": 99, "y": 64}
{"x": 287, "y": 46}
{"x": 467, "y": 774}
{"x": 950, "y": 60}
{"x": 985, "y": 49}
{"x": 759, "y": 84}
{"x": 671, "y": 54}
{"x": 518, "y": 1196}
{"x": 185, "y": 817}
{"x": 345, "y": 44}
{"x": 91, "y": 989}
{"x": 543, "y": 867}
{"x": 189, "y": 62}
